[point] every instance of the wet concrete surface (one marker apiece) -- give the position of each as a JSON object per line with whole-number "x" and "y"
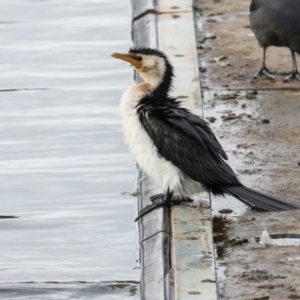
{"x": 258, "y": 124}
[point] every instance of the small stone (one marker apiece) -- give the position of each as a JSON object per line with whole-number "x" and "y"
{"x": 239, "y": 241}
{"x": 251, "y": 95}
{"x": 224, "y": 64}
{"x": 231, "y": 117}
{"x": 211, "y": 119}
{"x": 215, "y": 14}
{"x": 244, "y": 105}
{"x": 220, "y": 58}
{"x": 194, "y": 293}
{"x": 217, "y": 59}
{"x": 270, "y": 286}
{"x": 208, "y": 280}
{"x": 261, "y": 298}
{"x": 202, "y": 70}
{"x": 265, "y": 121}
{"x": 244, "y": 115}
{"x": 227, "y": 96}
{"x": 243, "y": 146}
{"x": 225, "y": 211}
{"x": 210, "y": 36}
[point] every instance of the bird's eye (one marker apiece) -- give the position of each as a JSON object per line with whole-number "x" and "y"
{"x": 139, "y": 58}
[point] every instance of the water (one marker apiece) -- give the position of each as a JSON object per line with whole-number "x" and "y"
{"x": 63, "y": 162}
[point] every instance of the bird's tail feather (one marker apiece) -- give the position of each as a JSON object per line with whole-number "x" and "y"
{"x": 258, "y": 200}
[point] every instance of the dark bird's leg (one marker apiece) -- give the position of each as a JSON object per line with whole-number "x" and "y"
{"x": 294, "y": 74}
{"x": 158, "y": 198}
{"x": 264, "y": 70}
{"x": 167, "y": 201}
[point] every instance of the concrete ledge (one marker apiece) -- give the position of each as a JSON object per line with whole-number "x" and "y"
{"x": 178, "y": 266}
{"x": 192, "y": 248}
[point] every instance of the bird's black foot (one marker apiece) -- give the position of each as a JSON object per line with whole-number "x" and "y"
{"x": 159, "y": 200}
{"x": 266, "y": 72}
{"x": 152, "y": 207}
{"x": 293, "y": 75}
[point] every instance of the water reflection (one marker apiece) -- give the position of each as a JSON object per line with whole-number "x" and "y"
{"x": 79, "y": 290}
{"x": 220, "y": 235}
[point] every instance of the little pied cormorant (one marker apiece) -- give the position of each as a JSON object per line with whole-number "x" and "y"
{"x": 176, "y": 148}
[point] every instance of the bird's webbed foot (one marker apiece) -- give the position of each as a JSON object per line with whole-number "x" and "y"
{"x": 292, "y": 75}
{"x": 266, "y": 72}
{"x": 161, "y": 200}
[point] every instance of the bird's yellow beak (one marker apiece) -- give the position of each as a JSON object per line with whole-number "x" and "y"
{"x": 129, "y": 58}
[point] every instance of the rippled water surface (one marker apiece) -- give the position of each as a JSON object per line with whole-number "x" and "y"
{"x": 62, "y": 159}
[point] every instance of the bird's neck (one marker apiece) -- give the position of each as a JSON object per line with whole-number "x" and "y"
{"x": 164, "y": 87}
{"x": 156, "y": 86}
{"x": 154, "y": 90}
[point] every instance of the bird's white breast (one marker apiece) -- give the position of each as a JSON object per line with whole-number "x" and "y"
{"x": 163, "y": 172}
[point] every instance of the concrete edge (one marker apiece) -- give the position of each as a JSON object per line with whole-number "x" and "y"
{"x": 192, "y": 260}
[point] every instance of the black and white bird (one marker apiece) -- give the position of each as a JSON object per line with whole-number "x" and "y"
{"x": 276, "y": 23}
{"x": 175, "y": 147}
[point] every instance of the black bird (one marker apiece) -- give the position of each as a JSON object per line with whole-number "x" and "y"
{"x": 276, "y": 23}
{"x": 176, "y": 148}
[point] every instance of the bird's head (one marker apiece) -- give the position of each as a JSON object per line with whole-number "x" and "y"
{"x": 152, "y": 65}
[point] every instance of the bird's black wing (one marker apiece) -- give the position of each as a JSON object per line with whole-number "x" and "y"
{"x": 191, "y": 123}
{"x": 187, "y": 141}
